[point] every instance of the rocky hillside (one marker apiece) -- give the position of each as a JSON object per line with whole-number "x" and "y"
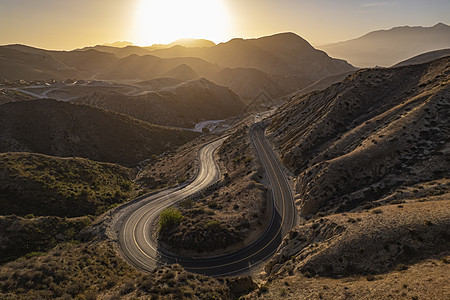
{"x": 374, "y": 241}
{"x": 366, "y": 139}
{"x": 371, "y": 160}
{"x": 64, "y": 129}
{"x": 181, "y": 105}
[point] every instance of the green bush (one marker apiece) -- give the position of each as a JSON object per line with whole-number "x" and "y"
{"x": 213, "y": 225}
{"x": 169, "y": 217}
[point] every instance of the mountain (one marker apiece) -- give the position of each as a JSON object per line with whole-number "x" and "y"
{"x": 424, "y": 57}
{"x": 23, "y": 62}
{"x": 393, "y": 122}
{"x": 18, "y": 62}
{"x": 124, "y": 49}
{"x": 181, "y": 105}
{"x": 387, "y": 47}
{"x": 273, "y": 66}
{"x": 119, "y": 44}
{"x": 188, "y": 43}
{"x": 120, "y": 52}
{"x": 280, "y": 54}
{"x": 182, "y": 72}
{"x": 150, "y": 67}
{"x": 248, "y": 82}
{"x": 65, "y": 129}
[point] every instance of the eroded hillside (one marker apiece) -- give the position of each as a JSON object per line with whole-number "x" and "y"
{"x": 368, "y": 138}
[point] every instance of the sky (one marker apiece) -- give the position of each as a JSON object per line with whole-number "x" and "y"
{"x": 70, "y": 24}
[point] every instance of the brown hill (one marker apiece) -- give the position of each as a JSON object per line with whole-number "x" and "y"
{"x": 182, "y": 105}
{"x": 371, "y": 160}
{"x": 280, "y": 54}
{"x": 119, "y": 52}
{"x": 188, "y": 43}
{"x": 424, "y": 57}
{"x": 124, "y": 49}
{"x": 87, "y": 62}
{"x": 64, "y": 129}
{"x": 43, "y": 185}
{"x": 22, "y": 63}
{"x": 387, "y": 47}
{"x": 149, "y": 67}
{"x": 249, "y": 82}
{"x": 182, "y": 72}
{"x": 368, "y": 137}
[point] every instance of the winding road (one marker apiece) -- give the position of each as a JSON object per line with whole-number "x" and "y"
{"x": 142, "y": 250}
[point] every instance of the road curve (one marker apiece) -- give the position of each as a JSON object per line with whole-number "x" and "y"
{"x": 141, "y": 250}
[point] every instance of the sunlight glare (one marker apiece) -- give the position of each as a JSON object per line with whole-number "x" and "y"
{"x": 165, "y": 21}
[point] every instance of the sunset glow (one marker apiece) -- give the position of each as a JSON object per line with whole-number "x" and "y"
{"x": 169, "y": 20}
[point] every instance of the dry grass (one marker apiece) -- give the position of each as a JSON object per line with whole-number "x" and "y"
{"x": 427, "y": 279}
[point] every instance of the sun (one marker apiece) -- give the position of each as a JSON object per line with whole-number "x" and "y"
{"x": 165, "y": 21}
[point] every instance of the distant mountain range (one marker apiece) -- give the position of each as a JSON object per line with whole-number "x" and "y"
{"x": 277, "y": 65}
{"x": 388, "y": 47}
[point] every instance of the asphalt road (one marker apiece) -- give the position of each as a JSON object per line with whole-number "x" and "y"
{"x": 141, "y": 250}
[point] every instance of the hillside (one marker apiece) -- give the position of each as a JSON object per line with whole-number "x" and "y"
{"x": 64, "y": 129}
{"x": 150, "y": 67}
{"x": 181, "y": 105}
{"x": 322, "y": 84}
{"x": 249, "y": 82}
{"x": 67, "y": 187}
{"x": 280, "y": 54}
{"x": 31, "y": 65}
{"x": 370, "y": 160}
{"x": 424, "y": 57}
{"x": 387, "y": 47}
{"x": 47, "y": 200}
{"x": 392, "y": 121}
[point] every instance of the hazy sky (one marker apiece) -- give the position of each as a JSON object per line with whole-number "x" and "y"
{"x": 68, "y": 24}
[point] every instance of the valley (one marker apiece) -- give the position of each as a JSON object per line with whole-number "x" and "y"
{"x": 253, "y": 168}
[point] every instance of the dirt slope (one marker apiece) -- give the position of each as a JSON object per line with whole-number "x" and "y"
{"x": 64, "y": 129}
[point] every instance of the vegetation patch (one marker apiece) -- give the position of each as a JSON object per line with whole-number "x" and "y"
{"x": 169, "y": 217}
{"x": 40, "y": 185}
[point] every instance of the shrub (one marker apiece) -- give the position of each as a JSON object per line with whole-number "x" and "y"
{"x": 186, "y": 203}
{"x": 213, "y": 225}
{"x": 169, "y": 217}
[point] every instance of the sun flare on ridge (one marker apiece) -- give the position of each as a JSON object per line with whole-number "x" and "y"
{"x": 168, "y": 20}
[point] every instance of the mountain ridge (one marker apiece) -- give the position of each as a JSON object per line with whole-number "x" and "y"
{"x": 387, "y": 47}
